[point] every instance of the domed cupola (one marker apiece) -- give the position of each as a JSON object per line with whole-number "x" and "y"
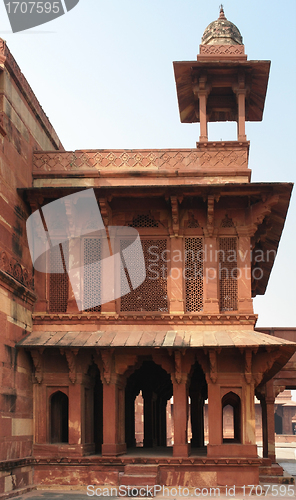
{"x": 221, "y": 32}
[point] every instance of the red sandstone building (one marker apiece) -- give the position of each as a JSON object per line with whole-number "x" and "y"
{"x": 69, "y": 378}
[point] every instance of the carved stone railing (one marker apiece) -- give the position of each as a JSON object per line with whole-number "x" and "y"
{"x": 210, "y": 156}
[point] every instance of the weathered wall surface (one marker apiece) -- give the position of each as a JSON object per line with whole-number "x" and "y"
{"x": 23, "y": 128}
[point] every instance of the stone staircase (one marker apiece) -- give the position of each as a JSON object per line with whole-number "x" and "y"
{"x": 140, "y": 476}
{"x": 270, "y": 473}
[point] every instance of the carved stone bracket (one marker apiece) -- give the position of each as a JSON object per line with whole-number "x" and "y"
{"x": 210, "y": 215}
{"x": 107, "y": 358}
{"x": 38, "y": 364}
{"x": 178, "y": 366}
{"x": 71, "y": 356}
{"x": 213, "y": 366}
{"x": 257, "y": 212}
{"x": 175, "y": 215}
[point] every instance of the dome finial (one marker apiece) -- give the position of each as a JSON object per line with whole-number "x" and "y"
{"x": 222, "y": 15}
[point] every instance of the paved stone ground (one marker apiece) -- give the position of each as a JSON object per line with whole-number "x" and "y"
{"x": 289, "y": 466}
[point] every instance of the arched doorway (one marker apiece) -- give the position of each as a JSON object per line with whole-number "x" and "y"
{"x": 198, "y": 393}
{"x": 59, "y": 420}
{"x": 157, "y": 388}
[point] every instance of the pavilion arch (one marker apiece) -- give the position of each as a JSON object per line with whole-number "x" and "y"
{"x": 198, "y": 393}
{"x": 232, "y": 402}
{"x": 157, "y": 388}
{"x": 59, "y": 417}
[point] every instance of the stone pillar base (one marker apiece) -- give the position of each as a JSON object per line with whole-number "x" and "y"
{"x": 232, "y": 450}
{"x": 181, "y": 450}
{"x": 113, "y": 449}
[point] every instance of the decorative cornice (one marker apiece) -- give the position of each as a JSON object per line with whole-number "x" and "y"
{"x": 94, "y": 318}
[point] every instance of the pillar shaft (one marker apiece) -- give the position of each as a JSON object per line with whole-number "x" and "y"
{"x": 203, "y": 116}
{"x": 113, "y": 418}
{"x": 181, "y": 446}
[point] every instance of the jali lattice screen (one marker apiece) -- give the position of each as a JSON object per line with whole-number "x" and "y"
{"x": 228, "y": 274}
{"x": 58, "y": 283}
{"x": 151, "y": 295}
{"x": 193, "y": 274}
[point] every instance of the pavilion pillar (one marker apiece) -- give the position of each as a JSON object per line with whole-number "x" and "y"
{"x": 241, "y": 118}
{"x": 202, "y": 95}
{"x": 148, "y": 418}
{"x": 76, "y": 414}
{"x": 180, "y": 391}
{"x": 113, "y": 416}
{"x": 40, "y": 415}
{"x": 162, "y": 423}
{"x": 214, "y": 413}
{"x": 269, "y": 400}
{"x": 264, "y": 427}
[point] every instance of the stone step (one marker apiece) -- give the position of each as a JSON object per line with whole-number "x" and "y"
{"x": 138, "y": 480}
{"x": 285, "y": 479}
{"x": 271, "y": 470}
{"x": 144, "y": 469}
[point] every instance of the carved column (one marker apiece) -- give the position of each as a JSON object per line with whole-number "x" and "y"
{"x": 241, "y": 118}
{"x": 181, "y": 447}
{"x": 269, "y": 399}
{"x": 76, "y": 413}
{"x": 113, "y": 416}
{"x": 214, "y": 413}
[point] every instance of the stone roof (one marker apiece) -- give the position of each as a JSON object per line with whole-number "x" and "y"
{"x": 222, "y": 32}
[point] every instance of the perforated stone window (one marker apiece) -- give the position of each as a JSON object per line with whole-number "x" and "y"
{"x": 194, "y": 274}
{"x": 151, "y": 295}
{"x": 228, "y": 274}
{"x": 92, "y": 277}
{"x": 144, "y": 220}
{"x": 58, "y": 283}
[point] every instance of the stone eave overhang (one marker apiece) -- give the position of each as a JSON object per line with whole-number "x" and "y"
{"x": 274, "y": 352}
{"x": 256, "y": 75}
{"x": 268, "y": 203}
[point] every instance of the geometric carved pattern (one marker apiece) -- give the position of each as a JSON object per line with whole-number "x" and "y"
{"x": 228, "y": 274}
{"x": 151, "y": 295}
{"x": 58, "y": 282}
{"x": 144, "y": 220}
{"x": 10, "y": 266}
{"x": 92, "y": 275}
{"x": 222, "y": 50}
{"x": 96, "y": 160}
{"x": 194, "y": 274}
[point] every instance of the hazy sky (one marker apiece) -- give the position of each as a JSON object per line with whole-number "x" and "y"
{"x": 103, "y": 74}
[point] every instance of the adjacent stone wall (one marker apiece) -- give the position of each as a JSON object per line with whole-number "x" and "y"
{"x": 23, "y": 128}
